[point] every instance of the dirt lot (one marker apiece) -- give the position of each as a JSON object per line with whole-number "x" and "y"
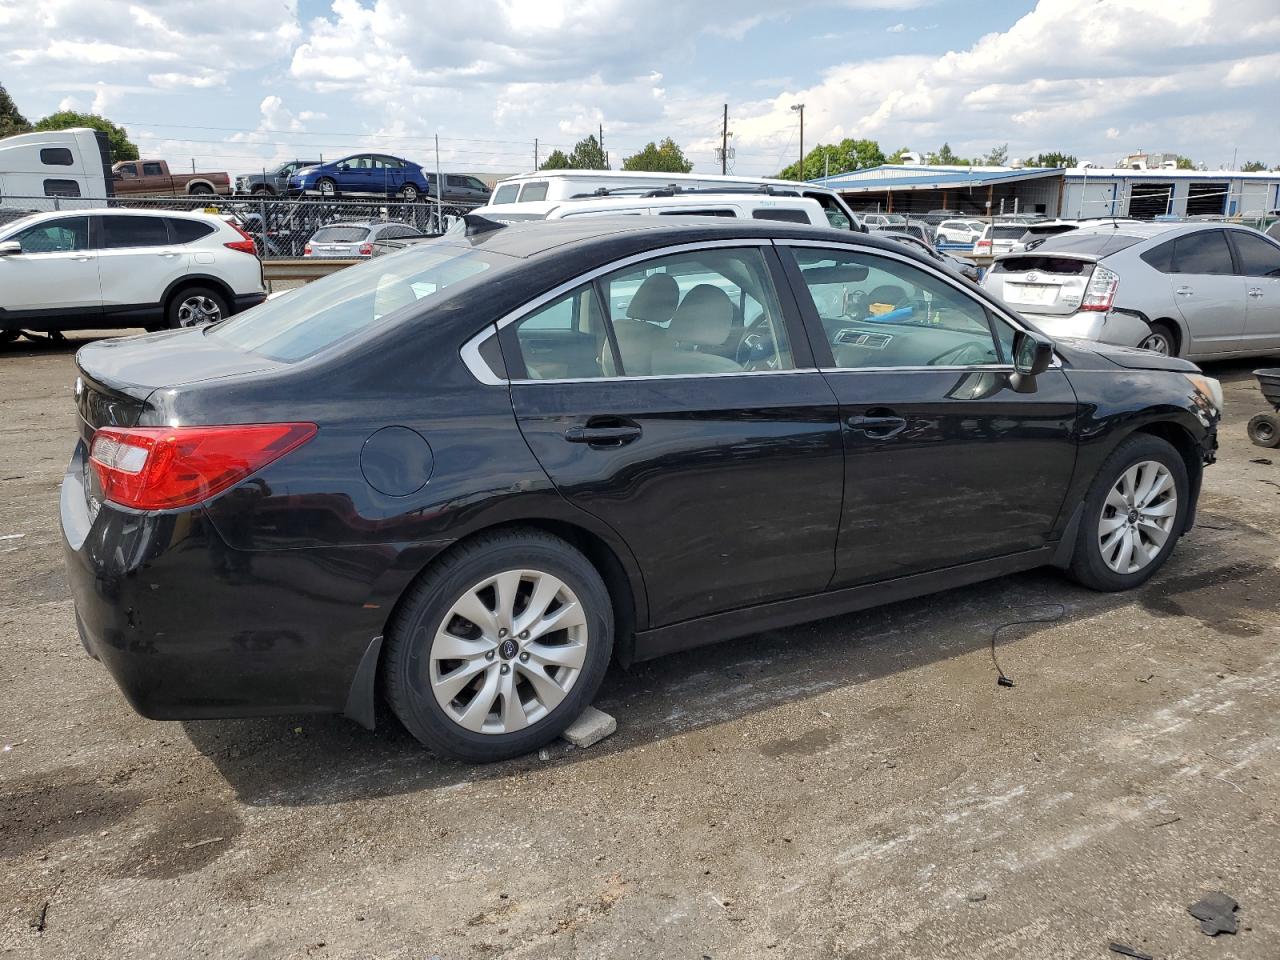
{"x": 858, "y": 787}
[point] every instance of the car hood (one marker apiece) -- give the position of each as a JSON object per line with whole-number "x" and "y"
{"x": 1130, "y": 358}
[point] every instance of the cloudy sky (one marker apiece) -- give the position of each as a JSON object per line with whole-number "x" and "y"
{"x": 237, "y": 83}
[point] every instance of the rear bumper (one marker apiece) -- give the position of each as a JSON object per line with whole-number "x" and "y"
{"x": 1118, "y": 328}
{"x": 190, "y": 628}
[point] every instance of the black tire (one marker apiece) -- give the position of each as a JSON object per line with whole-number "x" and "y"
{"x": 1264, "y": 430}
{"x": 173, "y": 313}
{"x": 262, "y": 191}
{"x": 329, "y": 182}
{"x": 200, "y": 190}
{"x": 414, "y": 627}
{"x": 409, "y": 193}
{"x": 1163, "y": 339}
{"x": 1087, "y": 564}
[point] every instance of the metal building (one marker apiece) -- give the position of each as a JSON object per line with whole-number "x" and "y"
{"x": 1103, "y": 192}
{"x": 973, "y": 191}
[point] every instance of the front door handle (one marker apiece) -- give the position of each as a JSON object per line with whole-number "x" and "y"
{"x": 878, "y": 428}
{"x": 1184, "y": 291}
{"x": 82, "y": 258}
{"x": 614, "y": 435}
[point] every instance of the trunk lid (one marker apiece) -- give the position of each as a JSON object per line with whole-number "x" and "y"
{"x": 1041, "y": 283}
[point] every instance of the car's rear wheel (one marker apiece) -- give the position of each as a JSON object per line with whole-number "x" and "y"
{"x": 499, "y": 646}
{"x": 409, "y": 193}
{"x": 1133, "y": 515}
{"x": 263, "y": 191}
{"x": 200, "y": 190}
{"x": 195, "y": 307}
{"x": 1161, "y": 340}
{"x": 1264, "y": 430}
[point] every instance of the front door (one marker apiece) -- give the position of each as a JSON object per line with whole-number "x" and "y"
{"x": 1208, "y": 292}
{"x": 355, "y": 175}
{"x": 56, "y": 271}
{"x": 945, "y": 462}
{"x": 690, "y": 420}
{"x": 1259, "y": 261}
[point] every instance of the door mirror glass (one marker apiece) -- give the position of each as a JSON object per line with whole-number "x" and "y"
{"x": 1032, "y": 354}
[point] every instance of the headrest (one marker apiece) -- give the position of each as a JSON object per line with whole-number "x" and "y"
{"x": 704, "y": 317}
{"x": 655, "y": 300}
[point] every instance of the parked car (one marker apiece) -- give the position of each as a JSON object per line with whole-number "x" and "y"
{"x": 271, "y": 182}
{"x": 966, "y": 268}
{"x": 383, "y": 175}
{"x": 698, "y": 203}
{"x": 922, "y": 231}
{"x": 470, "y": 473}
{"x": 935, "y": 217}
{"x": 153, "y": 178}
{"x": 124, "y": 268}
{"x": 355, "y": 239}
{"x": 879, "y": 221}
{"x": 53, "y": 163}
{"x": 1184, "y": 289}
{"x": 998, "y": 238}
{"x": 965, "y": 232}
{"x": 512, "y": 195}
{"x": 1043, "y": 229}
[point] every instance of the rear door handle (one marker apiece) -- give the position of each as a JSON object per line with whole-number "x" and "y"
{"x": 168, "y": 253}
{"x": 1255, "y": 292}
{"x": 617, "y": 435}
{"x": 1184, "y": 291}
{"x": 878, "y": 428}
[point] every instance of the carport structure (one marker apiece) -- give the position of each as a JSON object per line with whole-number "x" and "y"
{"x": 973, "y": 191}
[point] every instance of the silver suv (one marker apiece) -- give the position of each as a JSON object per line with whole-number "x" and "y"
{"x": 1193, "y": 290}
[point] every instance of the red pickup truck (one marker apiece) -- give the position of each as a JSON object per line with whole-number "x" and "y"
{"x": 153, "y": 178}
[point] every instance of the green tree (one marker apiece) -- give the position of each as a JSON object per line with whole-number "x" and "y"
{"x": 945, "y": 157}
{"x": 1254, "y": 166}
{"x": 122, "y": 148}
{"x": 826, "y": 158}
{"x": 998, "y": 156}
{"x": 1186, "y": 163}
{"x": 558, "y": 160}
{"x": 11, "y": 121}
{"x": 898, "y": 155}
{"x": 587, "y": 155}
{"x": 1054, "y": 158}
{"x": 665, "y": 157}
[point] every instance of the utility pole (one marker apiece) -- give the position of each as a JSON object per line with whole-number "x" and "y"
{"x": 439, "y": 190}
{"x": 799, "y": 108}
{"x": 724, "y": 142}
{"x": 601, "y": 142}
{"x": 535, "y": 153}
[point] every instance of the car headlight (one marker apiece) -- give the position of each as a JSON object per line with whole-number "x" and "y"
{"x": 1208, "y": 388}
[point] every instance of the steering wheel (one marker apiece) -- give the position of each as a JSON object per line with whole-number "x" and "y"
{"x": 967, "y": 354}
{"x": 756, "y": 349}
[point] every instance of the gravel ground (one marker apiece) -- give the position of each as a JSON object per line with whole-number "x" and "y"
{"x": 858, "y": 787}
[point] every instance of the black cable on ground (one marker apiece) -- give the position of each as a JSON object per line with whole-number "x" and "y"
{"x": 1001, "y": 679}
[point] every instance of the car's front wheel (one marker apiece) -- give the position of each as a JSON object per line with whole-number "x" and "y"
{"x": 499, "y": 646}
{"x": 1134, "y": 513}
{"x": 326, "y": 187}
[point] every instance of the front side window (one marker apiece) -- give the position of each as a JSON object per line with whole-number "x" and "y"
{"x": 506, "y": 193}
{"x": 55, "y": 236}
{"x": 1203, "y": 253}
{"x": 1258, "y": 258}
{"x": 881, "y": 312}
{"x": 127, "y": 170}
{"x": 119, "y": 232}
{"x": 476, "y": 184}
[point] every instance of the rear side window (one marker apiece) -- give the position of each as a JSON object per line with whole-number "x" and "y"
{"x": 1258, "y": 258}
{"x": 152, "y": 170}
{"x": 56, "y": 157}
{"x": 61, "y": 188}
{"x": 185, "y": 231}
{"x": 118, "y": 232}
{"x": 704, "y": 212}
{"x": 1203, "y": 253}
{"x": 341, "y": 235}
{"x": 534, "y": 191}
{"x": 506, "y": 193}
{"x": 786, "y": 216}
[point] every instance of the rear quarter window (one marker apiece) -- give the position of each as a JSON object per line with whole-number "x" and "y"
{"x": 186, "y": 231}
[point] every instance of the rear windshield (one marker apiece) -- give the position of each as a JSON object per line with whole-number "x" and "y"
{"x": 307, "y": 320}
{"x": 1098, "y": 244}
{"x": 1043, "y": 264}
{"x": 1002, "y": 232}
{"x": 341, "y": 235}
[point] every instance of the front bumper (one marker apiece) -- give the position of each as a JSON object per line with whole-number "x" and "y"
{"x": 243, "y": 301}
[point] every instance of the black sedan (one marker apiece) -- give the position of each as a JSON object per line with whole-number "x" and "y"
{"x": 468, "y": 474}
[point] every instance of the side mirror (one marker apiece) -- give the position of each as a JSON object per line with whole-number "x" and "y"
{"x": 10, "y": 248}
{"x": 1032, "y": 354}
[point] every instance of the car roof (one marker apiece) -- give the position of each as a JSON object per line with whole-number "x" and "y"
{"x": 128, "y": 212}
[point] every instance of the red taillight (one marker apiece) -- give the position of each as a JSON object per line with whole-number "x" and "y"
{"x": 306, "y": 250}
{"x": 244, "y": 246}
{"x": 1101, "y": 291}
{"x": 366, "y": 249}
{"x": 159, "y": 468}
{"x": 982, "y": 246}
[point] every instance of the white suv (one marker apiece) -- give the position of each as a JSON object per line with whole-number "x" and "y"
{"x": 966, "y": 232}
{"x": 124, "y": 268}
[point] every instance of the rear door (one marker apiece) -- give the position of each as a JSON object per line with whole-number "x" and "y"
{"x": 714, "y": 450}
{"x": 945, "y": 463}
{"x": 1208, "y": 292}
{"x": 56, "y": 270}
{"x": 137, "y": 261}
{"x": 1259, "y": 262}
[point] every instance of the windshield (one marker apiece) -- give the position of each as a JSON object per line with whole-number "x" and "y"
{"x": 311, "y": 318}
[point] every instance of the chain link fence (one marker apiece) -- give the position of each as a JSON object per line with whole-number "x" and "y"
{"x": 280, "y": 227}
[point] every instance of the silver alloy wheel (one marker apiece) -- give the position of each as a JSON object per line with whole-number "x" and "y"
{"x": 198, "y": 310}
{"x": 1137, "y": 517}
{"x": 327, "y": 188}
{"x": 409, "y": 193}
{"x": 1157, "y": 342}
{"x": 508, "y": 651}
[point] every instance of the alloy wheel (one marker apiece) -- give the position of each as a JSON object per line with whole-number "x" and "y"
{"x": 1137, "y": 517}
{"x": 197, "y": 311}
{"x": 508, "y": 651}
{"x": 1157, "y": 342}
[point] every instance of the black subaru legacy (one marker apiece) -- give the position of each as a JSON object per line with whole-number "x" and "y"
{"x": 466, "y": 475}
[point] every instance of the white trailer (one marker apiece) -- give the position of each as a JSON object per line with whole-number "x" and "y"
{"x": 53, "y": 169}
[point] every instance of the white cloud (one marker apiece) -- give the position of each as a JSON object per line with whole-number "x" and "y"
{"x": 896, "y": 28}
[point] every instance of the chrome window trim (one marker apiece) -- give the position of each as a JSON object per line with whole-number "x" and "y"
{"x": 475, "y": 362}
{"x": 983, "y": 367}
{"x": 675, "y": 376}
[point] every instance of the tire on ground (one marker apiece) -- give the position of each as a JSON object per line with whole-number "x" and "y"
{"x": 413, "y": 628}
{"x": 174, "y": 306}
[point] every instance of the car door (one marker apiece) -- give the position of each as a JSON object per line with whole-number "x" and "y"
{"x": 713, "y": 449}
{"x": 1208, "y": 292}
{"x": 354, "y": 175}
{"x": 945, "y": 462}
{"x": 137, "y": 261}
{"x": 1258, "y": 260}
{"x": 57, "y": 269}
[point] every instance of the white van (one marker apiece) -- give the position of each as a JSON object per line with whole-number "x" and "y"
{"x": 745, "y": 206}
{"x": 49, "y": 169}
{"x": 514, "y": 195}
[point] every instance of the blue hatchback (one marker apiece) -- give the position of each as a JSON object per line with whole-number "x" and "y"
{"x": 364, "y": 173}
